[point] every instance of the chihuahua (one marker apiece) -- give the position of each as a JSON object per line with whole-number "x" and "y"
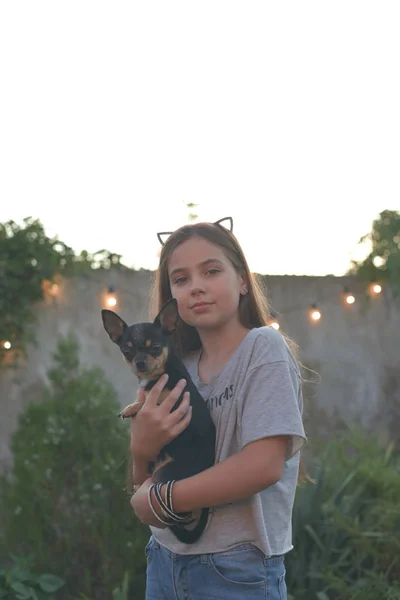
{"x": 148, "y": 349}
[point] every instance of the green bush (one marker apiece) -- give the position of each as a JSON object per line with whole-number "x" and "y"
{"x": 66, "y": 502}
{"x": 346, "y": 527}
{"x": 19, "y": 581}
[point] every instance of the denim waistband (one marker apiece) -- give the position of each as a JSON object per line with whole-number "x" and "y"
{"x": 272, "y": 560}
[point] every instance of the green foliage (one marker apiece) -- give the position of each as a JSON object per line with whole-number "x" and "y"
{"x": 346, "y": 527}
{"x": 28, "y": 257}
{"x": 383, "y": 262}
{"x": 119, "y": 593}
{"x": 19, "y": 581}
{"x": 122, "y": 592}
{"x": 66, "y": 502}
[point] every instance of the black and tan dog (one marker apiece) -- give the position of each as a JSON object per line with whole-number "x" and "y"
{"x": 148, "y": 349}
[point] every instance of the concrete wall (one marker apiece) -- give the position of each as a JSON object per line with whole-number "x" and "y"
{"x": 355, "y": 349}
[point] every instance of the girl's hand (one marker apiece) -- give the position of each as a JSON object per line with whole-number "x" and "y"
{"x": 140, "y": 505}
{"x": 155, "y": 425}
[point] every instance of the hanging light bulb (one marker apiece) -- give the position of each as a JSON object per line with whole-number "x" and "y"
{"x": 348, "y": 297}
{"x": 7, "y": 345}
{"x": 111, "y": 299}
{"x": 375, "y": 288}
{"x": 315, "y": 314}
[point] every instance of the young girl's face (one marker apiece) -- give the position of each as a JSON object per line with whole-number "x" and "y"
{"x": 205, "y": 284}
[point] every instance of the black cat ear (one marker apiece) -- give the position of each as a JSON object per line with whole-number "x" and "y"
{"x": 113, "y": 324}
{"x": 164, "y": 235}
{"x": 229, "y": 219}
{"x": 160, "y": 238}
{"x": 168, "y": 316}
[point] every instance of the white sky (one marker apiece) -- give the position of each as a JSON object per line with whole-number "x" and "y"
{"x": 284, "y": 115}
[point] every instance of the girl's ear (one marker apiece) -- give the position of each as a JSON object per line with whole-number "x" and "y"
{"x": 167, "y": 318}
{"x": 244, "y": 289}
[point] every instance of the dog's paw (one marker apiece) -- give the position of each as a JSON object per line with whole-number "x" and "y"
{"x": 131, "y": 410}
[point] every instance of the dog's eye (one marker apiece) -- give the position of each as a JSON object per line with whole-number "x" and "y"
{"x": 128, "y": 352}
{"x": 156, "y": 346}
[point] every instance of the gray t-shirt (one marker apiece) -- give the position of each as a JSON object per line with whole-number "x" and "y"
{"x": 257, "y": 394}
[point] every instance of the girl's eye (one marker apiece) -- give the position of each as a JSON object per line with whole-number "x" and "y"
{"x": 212, "y": 271}
{"x": 180, "y": 280}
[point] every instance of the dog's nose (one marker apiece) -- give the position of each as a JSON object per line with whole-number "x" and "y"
{"x": 141, "y": 365}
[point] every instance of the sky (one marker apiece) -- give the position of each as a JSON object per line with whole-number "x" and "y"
{"x": 283, "y": 115}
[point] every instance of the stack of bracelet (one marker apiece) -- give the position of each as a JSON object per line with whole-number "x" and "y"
{"x": 169, "y": 517}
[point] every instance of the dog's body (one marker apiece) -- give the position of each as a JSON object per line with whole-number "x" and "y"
{"x": 148, "y": 349}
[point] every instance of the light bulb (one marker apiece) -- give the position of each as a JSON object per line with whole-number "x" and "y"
{"x": 315, "y": 313}
{"x": 376, "y": 288}
{"x": 111, "y": 301}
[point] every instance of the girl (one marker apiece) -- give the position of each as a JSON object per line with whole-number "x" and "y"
{"x": 251, "y": 382}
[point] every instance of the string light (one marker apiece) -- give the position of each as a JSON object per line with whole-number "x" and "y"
{"x": 7, "y": 345}
{"x": 349, "y": 298}
{"x": 50, "y": 289}
{"x": 111, "y": 299}
{"x": 315, "y": 314}
{"x": 375, "y": 288}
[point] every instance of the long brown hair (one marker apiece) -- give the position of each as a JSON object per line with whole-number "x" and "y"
{"x": 254, "y": 309}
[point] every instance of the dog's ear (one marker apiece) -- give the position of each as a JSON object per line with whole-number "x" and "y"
{"x": 113, "y": 324}
{"x": 167, "y": 318}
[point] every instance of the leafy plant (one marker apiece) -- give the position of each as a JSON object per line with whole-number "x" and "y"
{"x": 383, "y": 262}
{"x": 66, "y": 502}
{"x": 122, "y": 592}
{"x": 19, "y": 581}
{"x": 28, "y": 258}
{"x": 346, "y": 527}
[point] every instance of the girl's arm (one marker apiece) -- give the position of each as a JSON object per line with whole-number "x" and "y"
{"x": 140, "y": 470}
{"x": 256, "y": 467}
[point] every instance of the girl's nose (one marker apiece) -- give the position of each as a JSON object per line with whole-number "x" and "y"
{"x": 197, "y": 286}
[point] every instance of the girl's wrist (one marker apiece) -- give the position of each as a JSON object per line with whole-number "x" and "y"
{"x": 160, "y": 499}
{"x": 178, "y": 498}
{"x": 139, "y": 456}
{"x": 156, "y": 509}
{"x": 140, "y": 470}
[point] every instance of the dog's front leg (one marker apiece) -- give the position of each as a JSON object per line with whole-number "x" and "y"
{"x": 131, "y": 410}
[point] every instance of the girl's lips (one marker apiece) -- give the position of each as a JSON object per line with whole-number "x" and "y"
{"x": 201, "y": 306}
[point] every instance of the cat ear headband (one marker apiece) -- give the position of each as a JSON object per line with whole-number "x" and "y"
{"x": 168, "y": 233}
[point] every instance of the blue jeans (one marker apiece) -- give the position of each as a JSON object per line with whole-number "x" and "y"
{"x": 242, "y": 573}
